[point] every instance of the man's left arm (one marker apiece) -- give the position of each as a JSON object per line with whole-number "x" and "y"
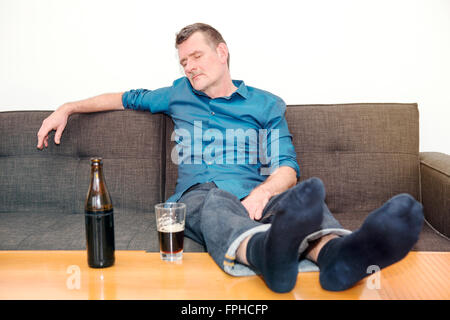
{"x": 283, "y": 163}
{"x": 279, "y": 181}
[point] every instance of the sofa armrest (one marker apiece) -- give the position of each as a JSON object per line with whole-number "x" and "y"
{"x": 435, "y": 190}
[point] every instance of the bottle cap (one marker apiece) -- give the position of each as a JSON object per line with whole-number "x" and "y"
{"x": 96, "y": 160}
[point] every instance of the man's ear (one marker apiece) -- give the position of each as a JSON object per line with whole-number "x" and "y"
{"x": 222, "y": 51}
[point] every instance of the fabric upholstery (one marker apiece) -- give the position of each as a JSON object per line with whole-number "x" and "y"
{"x": 57, "y": 178}
{"x": 364, "y": 153}
{"x": 435, "y": 174}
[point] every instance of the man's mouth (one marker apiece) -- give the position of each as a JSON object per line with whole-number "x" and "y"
{"x": 195, "y": 76}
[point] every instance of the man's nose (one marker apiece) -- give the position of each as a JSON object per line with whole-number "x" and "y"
{"x": 190, "y": 67}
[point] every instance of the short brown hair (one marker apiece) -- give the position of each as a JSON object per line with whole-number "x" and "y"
{"x": 212, "y": 35}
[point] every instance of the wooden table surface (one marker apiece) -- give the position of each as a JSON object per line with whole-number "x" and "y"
{"x": 142, "y": 275}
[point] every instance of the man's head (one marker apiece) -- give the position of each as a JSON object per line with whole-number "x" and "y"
{"x": 204, "y": 56}
{"x": 212, "y": 35}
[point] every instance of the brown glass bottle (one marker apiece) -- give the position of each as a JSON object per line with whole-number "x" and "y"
{"x": 99, "y": 217}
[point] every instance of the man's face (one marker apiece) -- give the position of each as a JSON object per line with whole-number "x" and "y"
{"x": 203, "y": 65}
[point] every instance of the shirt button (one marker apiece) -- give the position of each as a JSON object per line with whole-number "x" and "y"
{"x": 213, "y": 113}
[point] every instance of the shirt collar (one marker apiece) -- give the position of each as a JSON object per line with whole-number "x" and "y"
{"x": 241, "y": 90}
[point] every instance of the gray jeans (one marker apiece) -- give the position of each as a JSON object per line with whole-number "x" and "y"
{"x": 217, "y": 220}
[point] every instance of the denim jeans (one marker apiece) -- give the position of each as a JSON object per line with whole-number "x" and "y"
{"x": 216, "y": 219}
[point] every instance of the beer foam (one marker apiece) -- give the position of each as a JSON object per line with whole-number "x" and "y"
{"x": 177, "y": 227}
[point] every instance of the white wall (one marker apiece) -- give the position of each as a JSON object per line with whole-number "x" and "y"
{"x": 321, "y": 51}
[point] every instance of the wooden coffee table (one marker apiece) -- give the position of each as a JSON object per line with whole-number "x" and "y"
{"x": 142, "y": 275}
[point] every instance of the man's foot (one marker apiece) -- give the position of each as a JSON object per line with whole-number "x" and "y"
{"x": 274, "y": 253}
{"x": 385, "y": 237}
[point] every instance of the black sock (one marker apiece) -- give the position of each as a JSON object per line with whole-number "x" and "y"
{"x": 274, "y": 253}
{"x": 385, "y": 237}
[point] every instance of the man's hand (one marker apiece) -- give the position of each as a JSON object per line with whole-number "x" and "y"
{"x": 56, "y": 121}
{"x": 279, "y": 181}
{"x": 255, "y": 202}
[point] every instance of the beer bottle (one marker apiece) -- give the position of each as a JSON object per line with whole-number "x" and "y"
{"x": 99, "y": 219}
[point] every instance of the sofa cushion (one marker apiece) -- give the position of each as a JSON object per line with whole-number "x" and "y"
{"x": 364, "y": 153}
{"x": 43, "y": 192}
{"x": 57, "y": 178}
{"x": 429, "y": 240}
{"x": 66, "y": 231}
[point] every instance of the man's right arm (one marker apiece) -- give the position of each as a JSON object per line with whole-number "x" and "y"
{"x": 58, "y": 119}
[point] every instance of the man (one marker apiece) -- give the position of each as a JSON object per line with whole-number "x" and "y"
{"x": 250, "y": 222}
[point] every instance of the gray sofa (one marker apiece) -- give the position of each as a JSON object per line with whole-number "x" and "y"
{"x": 364, "y": 153}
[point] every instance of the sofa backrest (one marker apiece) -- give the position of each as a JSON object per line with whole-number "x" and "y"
{"x": 57, "y": 178}
{"x": 364, "y": 153}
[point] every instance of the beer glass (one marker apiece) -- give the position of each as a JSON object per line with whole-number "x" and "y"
{"x": 170, "y": 219}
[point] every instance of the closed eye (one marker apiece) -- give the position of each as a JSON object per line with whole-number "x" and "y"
{"x": 196, "y": 55}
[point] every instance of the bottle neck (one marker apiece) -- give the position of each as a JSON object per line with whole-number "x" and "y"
{"x": 98, "y": 199}
{"x": 96, "y": 177}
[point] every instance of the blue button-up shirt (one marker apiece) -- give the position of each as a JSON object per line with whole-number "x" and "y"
{"x": 235, "y": 141}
